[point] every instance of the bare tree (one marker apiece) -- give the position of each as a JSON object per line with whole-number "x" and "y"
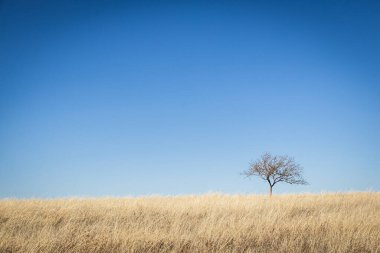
{"x": 275, "y": 169}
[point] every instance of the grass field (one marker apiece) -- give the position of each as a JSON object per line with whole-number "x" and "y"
{"x": 347, "y": 222}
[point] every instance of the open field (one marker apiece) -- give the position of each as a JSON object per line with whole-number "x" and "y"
{"x": 206, "y": 223}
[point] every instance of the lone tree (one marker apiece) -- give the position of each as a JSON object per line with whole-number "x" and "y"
{"x": 275, "y": 169}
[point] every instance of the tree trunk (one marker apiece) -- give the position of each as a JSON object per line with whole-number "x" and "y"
{"x": 270, "y": 191}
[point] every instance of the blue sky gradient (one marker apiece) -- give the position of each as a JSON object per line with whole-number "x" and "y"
{"x": 176, "y": 97}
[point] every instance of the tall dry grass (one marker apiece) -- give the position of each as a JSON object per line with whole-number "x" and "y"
{"x": 207, "y": 223}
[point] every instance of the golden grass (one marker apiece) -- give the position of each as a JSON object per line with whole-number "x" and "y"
{"x": 208, "y": 223}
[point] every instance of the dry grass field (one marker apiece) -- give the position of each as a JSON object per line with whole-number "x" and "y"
{"x": 347, "y": 222}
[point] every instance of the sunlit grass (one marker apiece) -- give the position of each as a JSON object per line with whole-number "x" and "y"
{"x": 201, "y": 223}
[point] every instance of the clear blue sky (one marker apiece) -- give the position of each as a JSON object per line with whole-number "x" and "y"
{"x": 175, "y": 97}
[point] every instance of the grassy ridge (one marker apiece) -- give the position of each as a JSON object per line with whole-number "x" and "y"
{"x": 206, "y": 223}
